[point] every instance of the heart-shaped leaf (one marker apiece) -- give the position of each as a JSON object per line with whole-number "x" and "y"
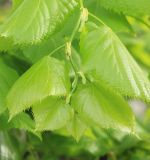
{"x": 48, "y": 77}
{"x": 102, "y": 51}
{"x": 100, "y": 106}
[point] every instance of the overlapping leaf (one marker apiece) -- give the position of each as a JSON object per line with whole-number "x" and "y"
{"x": 102, "y": 51}
{"x": 47, "y": 77}
{"x": 7, "y": 77}
{"x": 21, "y": 121}
{"x": 76, "y": 127}
{"x": 51, "y": 114}
{"x": 32, "y": 20}
{"x": 117, "y": 22}
{"x": 24, "y": 121}
{"x": 102, "y": 107}
{"x": 47, "y": 45}
{"x": 134, "y": 7}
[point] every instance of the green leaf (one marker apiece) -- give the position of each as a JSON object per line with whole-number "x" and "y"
{"x": 32, "y": 20}
{"x": 76, "y": 127}
{"x": 16, "y": 3}
{"x": 7, "y": 78}
{"x": 21, "y": 121}
{"x": 51, "y": 114}
{"x": 128, "y": 7}
{"x": 117, "y": 22}
{"x": 48, "y": 77}
{"x": 100, "y": 106}
{"x": 6, "y": 44}
{"x": 102, "y": 51}
{"x": 36, "y": 51}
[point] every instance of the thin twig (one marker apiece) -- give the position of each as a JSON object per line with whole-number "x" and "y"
{"x": 58, "y": 48}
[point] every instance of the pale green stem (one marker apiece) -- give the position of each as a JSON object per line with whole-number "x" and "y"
{"x": 57, "y": 49}
{"x": 96, "y": 18}
{"x": 75, "y": 82}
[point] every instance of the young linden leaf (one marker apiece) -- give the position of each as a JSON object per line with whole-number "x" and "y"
{"x": 102, "y": 51}
{"x": 7, "y": 78}
{"x": 51, "y": 114}
{"x": 76, "y": 127}
{"x": 47, "y": 77}
{"x": 32, "y": 20}
{"x": 117, "y": 22}
{"x": 16, "y": 3}
{"x": 48, "y": 44}
{"x": 128, "y": 7}
{"x": 21, "y": 121}
{"x": 100, "y": 106}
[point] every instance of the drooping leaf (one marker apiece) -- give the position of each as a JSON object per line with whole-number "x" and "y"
{"x": 102, "y": 51}
{"x": 51, "y": 114}
{"x": 134, "y": 7}
{"x": 37, "y": 51}
{"x": 47, "y": 77}
{"x": 7, "y": 78}
{"x": 21, "y": 121}
{"x": 32, "y": 20}
{"x": 100, "y": 106}
{"x": 76, "y": 127}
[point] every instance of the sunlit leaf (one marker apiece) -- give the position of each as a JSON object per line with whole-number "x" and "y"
{"x": 48, "y": 77}
{"x": 32, "y": 20}
{"x": 102, "y": 51}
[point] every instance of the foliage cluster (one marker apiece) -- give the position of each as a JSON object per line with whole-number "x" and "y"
{"x": 68, "y": 69}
